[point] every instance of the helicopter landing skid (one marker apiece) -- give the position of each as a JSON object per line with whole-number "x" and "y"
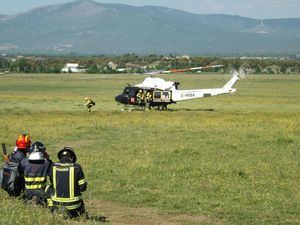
{"x": 129, "y": 108}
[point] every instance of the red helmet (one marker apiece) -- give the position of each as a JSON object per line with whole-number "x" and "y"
{"x": 23, "y": 142}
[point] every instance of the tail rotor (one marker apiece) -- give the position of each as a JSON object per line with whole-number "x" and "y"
{"x": 244, "y": 72}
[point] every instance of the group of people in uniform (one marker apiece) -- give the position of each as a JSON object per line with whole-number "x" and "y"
{"x": 57, "y": 185}
{"x": 144, "y": 99}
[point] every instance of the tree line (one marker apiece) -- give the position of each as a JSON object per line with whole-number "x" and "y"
{"x": 132, "y": 63}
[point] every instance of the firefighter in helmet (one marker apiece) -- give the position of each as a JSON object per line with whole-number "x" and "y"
{"x": 148, "y": 99}
{"x": 13, "y": 180}
{"x": 67, "y": 181}
{"x": 140, "y": 97}
{"x": 23, "y": 144}
{"x": 89, "y": 103}
{"x": 36, "y": 169}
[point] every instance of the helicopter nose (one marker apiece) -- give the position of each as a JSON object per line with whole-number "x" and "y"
{"x": 118, "y": 98}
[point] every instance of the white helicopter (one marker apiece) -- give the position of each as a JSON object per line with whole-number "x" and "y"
{"x": 156, "y": 92}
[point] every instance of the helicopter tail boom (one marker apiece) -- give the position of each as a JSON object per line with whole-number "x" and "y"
{"x": 182, "y": 95}
{"x": 231, "y": 82}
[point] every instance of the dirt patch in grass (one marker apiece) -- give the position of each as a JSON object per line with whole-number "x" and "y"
{"x": 118, "y": 214}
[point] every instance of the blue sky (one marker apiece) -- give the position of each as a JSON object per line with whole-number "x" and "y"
{"x": 261, "y": 9}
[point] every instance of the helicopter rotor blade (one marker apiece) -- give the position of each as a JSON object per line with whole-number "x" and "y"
{"x": 182, "y": 70}
{"x": 191, "y": 69}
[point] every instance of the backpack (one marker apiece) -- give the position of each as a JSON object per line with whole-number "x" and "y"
{"x": 11, "y": 180}
{"x": 93, "y": 103}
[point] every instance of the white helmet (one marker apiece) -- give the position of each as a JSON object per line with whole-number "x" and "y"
{"x": 36, "y": 156}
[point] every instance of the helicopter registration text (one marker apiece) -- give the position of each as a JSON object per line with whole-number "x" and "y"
{"x": 187, "y": 95}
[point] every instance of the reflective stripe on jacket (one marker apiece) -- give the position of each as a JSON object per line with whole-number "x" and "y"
{"x": 35, "y": 173}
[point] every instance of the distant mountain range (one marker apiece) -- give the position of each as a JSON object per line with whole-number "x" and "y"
{"x": 87, "y": 27}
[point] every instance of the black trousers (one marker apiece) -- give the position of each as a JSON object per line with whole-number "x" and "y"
{"x": 37, "y": 197}
{"x": 78, "y": 212}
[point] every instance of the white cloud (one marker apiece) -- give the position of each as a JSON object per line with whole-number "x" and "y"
{"x": 214, "y": 6}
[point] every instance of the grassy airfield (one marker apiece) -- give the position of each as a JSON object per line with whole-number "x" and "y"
{"x": 232, "y": 159}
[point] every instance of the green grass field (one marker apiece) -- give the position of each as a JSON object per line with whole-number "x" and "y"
{"x": 232, "y": 159}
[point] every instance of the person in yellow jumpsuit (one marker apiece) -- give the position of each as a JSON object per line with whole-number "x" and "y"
{"x": 89, "y": 103}
{"x": 148, "y": 99}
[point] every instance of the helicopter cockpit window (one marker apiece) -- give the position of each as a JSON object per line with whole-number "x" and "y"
{"x": 126, "y": 91}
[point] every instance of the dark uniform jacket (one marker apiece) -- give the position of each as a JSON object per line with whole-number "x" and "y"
{"x": 17, "y": 156}
{"x": 14, "y": 179}
{"x": 67, "y": 181}
{"x": 35, "y": 173}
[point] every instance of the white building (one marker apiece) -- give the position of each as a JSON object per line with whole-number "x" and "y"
{"x": 112, "y": 65}
{"x": 73, "y": 68}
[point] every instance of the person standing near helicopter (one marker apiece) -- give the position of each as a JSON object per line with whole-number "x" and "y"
{"x": 148, "y": 99}
{"x": 140, "y": 97}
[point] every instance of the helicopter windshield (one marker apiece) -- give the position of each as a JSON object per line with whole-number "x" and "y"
{"x": 126, "y": 90}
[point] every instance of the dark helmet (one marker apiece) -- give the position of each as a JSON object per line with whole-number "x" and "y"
{"x": 38, "y": 147}
{"x": 68, "y": 152}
